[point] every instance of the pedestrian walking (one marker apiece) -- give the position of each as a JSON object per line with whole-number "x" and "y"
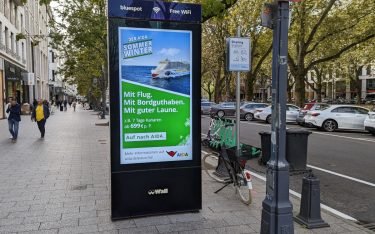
{"x": 14, "y": 118}
{"x": 65, "y": 105}
{"x": 7, "y": 114}
{"x": 74, "y": 104}
{"x": 35, "y": 103}
{"x": 40, "y": 115}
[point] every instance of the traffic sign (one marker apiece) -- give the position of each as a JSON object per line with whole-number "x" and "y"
{"x": 238, "y": 51}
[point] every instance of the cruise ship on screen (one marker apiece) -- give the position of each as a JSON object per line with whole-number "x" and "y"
{"x": 167, "y": 69}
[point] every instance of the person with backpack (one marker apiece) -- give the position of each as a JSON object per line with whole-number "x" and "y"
{"x": 40, "y": 115}
{"x": 14, "y": 118}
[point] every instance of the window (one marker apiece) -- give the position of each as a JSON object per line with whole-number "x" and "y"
{"x": 6, "y": 38}
{"x": 21, "y": 19}
{"x": 321, "y": 107}
{"x": 23, "y": 51}
{"x": 17, "y": 49}
{"x": 1, "y": 32}
{"x": 361, "y": 111}
{"x": 12, "y": 41}
{"x": 292, "y": 108}
{"x": 343, "y": 110}
{"x": 370, "y": 84}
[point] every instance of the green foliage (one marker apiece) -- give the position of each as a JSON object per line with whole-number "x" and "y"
{"x": 81, "y": 38}
{"x": 324, "y": 30}
{"x": 215, "y": 30}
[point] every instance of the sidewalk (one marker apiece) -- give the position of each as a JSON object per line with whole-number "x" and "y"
{"x": 61, "y": 185}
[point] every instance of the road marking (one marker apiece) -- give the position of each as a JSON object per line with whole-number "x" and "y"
{"x": 298, "y": 195}
{"x": 341, "y": 175}
{"x": 332, "y": 172}
{"x": 325, "y": 134}
{"x": 351, "y": 138}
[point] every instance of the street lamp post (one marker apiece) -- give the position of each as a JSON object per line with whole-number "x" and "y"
{"x": 277, "y": 216}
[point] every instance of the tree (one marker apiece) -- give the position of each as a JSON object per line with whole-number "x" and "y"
{"x": 81, "y": 37}
{"x": 354, "y": 62}
{"x": 247, "y": 15}
{"x": 215, "y": 31}
{"x": 341, "y": 25}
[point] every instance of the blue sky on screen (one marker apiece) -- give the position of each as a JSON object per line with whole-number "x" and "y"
{"x": 166, "y": 44}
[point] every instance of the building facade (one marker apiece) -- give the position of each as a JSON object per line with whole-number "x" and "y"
{"x": 23, "y": 51}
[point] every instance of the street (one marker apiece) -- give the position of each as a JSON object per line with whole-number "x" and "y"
{"x": 343, "y": 161}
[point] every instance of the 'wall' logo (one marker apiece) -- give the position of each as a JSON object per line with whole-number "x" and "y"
{"x": 157, "y": 191}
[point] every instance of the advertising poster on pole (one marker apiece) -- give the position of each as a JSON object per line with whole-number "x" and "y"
{"x": 155, "y": 95}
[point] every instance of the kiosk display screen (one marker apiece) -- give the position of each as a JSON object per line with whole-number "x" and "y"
{"x": 155, "y": 67}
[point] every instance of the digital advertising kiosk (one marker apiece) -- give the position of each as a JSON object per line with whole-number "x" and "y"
{"x": 154, "y": 71}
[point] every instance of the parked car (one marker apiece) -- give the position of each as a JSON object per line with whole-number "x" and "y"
{"x": 265, "y": 113}
{"x": 206, "y": 107}
{"x": 247, "y": 110}
{"x": 338, "y": 117}
{"x": 370, "y": 98}
{"x": 309, "y": 107}
{"x": 223, "y": 109}
{"x": 370, "y": 123}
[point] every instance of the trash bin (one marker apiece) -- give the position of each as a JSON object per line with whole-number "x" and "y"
{"x": 296, "y": 148}
{"x": 265, "y": 138}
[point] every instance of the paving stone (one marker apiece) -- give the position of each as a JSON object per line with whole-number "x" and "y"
{"x": 49, "y": 231}
{"x": 41, "y": 219}
{"x": 38, "y": 193}
{"x": 11, "y": 221}
{"x": 59, "y": 224}
{"x": 79, "y": 229}
{"x": 235, "y": 229}
{"x": 189, "y": 226}
{"x": 151, "y": 221}
{"x": 19, "y": 228}
{"x": 79, "y": 215}
{"x": 139, "y": 230}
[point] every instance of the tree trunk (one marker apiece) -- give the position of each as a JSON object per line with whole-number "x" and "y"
{"x": 249, "y": 86}
{"x": 300, "y": 89}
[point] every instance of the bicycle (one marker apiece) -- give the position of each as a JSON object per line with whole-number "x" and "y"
{"x": 226, "y": 167}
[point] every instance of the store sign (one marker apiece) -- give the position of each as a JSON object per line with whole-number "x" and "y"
{"x": 155, "y": 92}
{"x": 30, "y": 79}
{"x": 238, "y": 54}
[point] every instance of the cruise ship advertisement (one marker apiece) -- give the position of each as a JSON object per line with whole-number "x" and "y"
{"x": 155, "y": 88}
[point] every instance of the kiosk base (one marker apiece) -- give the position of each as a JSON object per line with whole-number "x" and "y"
{"x": 156, "y": 192}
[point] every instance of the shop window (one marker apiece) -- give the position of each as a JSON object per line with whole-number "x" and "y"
{"x": 371, "y": 84}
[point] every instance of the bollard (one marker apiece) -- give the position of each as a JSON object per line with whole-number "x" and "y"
{"x": 309, "y": 214}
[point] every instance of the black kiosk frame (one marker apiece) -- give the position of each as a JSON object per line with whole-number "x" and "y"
{"x": 166, "y": 182}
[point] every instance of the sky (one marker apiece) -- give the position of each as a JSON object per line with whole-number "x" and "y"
{"x": 174, "y": 46}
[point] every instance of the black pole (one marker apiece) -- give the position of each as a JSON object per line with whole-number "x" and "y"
{"x": 277, "y": 216}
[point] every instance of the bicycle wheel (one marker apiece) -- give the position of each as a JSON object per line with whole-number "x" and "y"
{"x": 210, "y": 163}
{"x": 244, "y": 186}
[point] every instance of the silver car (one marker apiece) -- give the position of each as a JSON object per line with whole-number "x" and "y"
{"x": 206, "y": 107}
{"x": 247, "y": 110}
{"x": 338, "y": 117}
